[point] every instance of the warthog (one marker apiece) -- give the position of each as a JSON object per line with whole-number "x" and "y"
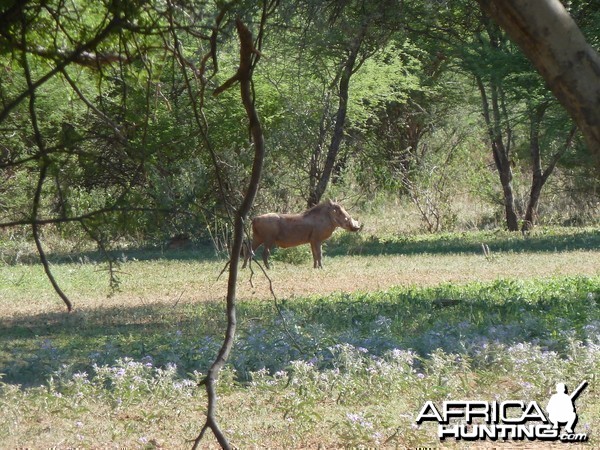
{"x": 289, "y": 230}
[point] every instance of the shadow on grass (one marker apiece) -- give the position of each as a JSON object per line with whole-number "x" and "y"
{"x": 552, "y": 240}
{"x": 457, "y": 319}
{"x": 203, "y": 251}
{"x": 345, "y": 243}
{"x": 34, "y": 347}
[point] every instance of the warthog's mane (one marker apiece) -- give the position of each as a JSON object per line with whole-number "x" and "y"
{"x": 317, "y": 208}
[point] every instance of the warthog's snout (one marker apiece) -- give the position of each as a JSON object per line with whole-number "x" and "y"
{"x": 355, "y": 226}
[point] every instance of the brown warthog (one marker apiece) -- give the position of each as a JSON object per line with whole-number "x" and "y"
{"x": 288, "y": 230}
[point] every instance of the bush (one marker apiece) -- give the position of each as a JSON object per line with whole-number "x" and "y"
{"x": 294, "y": 255}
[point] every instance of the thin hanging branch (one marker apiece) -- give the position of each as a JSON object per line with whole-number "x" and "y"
{"x": 197, "y": 99}
{"x": 89, "y": 104}
{"x": 244, "y": 77}
{"x": 278, "y": 308}
{"x": 45, "y": 162}
{"x": 38, "y": 242}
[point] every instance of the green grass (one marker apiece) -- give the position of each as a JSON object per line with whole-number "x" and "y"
{"x": 422, "y": 319}
{"x": 550, "y": 239}
{"x": 539, "y": 240}
{"x": 338, "y": 368}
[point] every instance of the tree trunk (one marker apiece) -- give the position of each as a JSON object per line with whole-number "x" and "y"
{"x": 500, "y": 152}
{"x": 550, "y": 38}
{"x": 538, "y": 179}
{"x": 317, "y": 191}
{"x": 539, "y": 175}
{"x": 314, "y": 172}
{"x": 532, "y": 204}
{"x": 512, "y": 222}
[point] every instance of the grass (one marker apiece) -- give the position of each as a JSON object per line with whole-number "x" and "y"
{"x": 348, "y": 359}
{"x": 151, "y": 276}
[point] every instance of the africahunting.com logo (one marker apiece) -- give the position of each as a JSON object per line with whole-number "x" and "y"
{"x": 508, "y": 420}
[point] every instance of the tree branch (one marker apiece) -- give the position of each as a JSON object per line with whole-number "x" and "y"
{"x": 198, "y": 105}
{"x": 552, "y": 41}
{"x": 42, "y": 177}
{"x": 114, "y": 23}
{"x": 35, "y": 221}
{"x": 244, "y": 76}
{"x": 38, "y": 242}
{"x": 90, "y": 105}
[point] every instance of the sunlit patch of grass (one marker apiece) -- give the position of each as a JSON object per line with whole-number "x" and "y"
{"x": 343, "y": 369}
{"x": 347, "y": 360}
{"x": 353, "y": 262}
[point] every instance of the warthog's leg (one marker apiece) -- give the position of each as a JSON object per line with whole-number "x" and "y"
{"x": 266, "y": 254}
{"x": 246, "y": 253}
{"x": 316, "y": 251}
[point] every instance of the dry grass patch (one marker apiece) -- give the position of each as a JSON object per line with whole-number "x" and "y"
{"x": 25, "y": 289}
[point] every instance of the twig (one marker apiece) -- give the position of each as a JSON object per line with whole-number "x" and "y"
{"x": 93, "y": 107}
{"x": 486, "y": 251}
{"x": 388, "y": 440}
{"x": 224, "y": 269}
{"x": 55, "y": 220}
{"x": 178, "y": 298}
{"x": 251, "y": 257}
{"x": 113, "y": 279}
{"x": 42, "y": 177}
{"x": 40, "y": 249}
{"x": 280, "y": 311}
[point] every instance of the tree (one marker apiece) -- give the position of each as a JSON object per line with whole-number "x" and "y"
{"x": 98, "y": 134}
{"x": 110, "y": 136}
{"x": 368, "y": 28}
{"x": 496, "y": 117}
{"x": 540, "y": 174}
{"x": 22, "y": 23}
{"x": 249, "y": 56}
{"x": 321, "y": 48}
{"x": 510, "y": 93}
{"x": 473, "y": 44}
{"x": 319, "y": 177}
{"x": 555, "y": 45}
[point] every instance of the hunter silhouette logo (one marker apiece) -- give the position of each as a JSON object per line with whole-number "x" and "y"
{"x": 507, "y": 420}
{"x": 561, "y": 407}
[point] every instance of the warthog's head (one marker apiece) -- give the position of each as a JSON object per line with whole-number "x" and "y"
{"x": 341, "y": 217}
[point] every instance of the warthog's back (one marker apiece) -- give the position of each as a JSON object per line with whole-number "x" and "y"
{"x": 288, "y": 230}
{"x": 266, "y": 225}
